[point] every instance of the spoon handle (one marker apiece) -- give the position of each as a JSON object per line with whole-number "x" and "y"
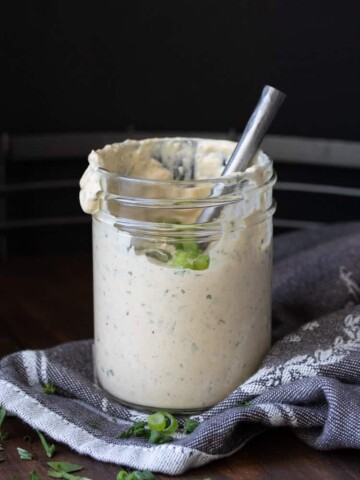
{"x": 255, "y": 130}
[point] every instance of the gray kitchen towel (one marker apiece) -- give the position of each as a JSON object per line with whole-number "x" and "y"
{"x": 309, "y": 381}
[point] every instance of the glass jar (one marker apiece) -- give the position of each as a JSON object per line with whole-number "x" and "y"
{"x": 182, "y": 307}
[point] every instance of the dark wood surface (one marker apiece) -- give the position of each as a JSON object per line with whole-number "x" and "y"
{"x": 47, "y": 300}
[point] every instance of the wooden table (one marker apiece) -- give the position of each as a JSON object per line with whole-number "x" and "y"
{"x": 47, "y": 300}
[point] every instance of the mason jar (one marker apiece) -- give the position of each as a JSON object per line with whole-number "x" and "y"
{"x": 182, "y": 270}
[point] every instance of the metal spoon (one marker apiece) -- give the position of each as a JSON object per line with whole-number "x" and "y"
{"x": 250, "y": 140}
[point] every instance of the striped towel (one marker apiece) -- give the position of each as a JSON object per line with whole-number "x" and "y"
{"x": 309, "y": 381}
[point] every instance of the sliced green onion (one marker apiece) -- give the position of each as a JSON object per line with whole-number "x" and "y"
{"x": 191, "y": 247}
{"x": 65, "y": 467}
{"x": 163, "y": 422}
{"x": 122, "y": 475}
{"x": 24, "y": 454}
{"x": 34, "y": 476}
{"x": 201, "y": 262}
{"x": 157, "y": 421}
{"x": 188, "y": 255}
{"x": 172, "y": 424}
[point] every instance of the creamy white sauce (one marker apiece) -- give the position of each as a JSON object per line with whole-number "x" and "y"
{"x": 172, "y": 338}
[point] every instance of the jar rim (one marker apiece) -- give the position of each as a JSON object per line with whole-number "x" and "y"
{"x": 227, "y": 180}
{"x": 99, "y": 184}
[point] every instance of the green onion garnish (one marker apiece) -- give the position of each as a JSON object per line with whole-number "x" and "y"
{"x": 49, "y": 449}
{"x": 157, "y": 421}
{"x": 190, "y": 425}
{"x": 135, "y": 475}
{"x": 49, "y": 388}
{"x": 188, "y": 255}
{"x": 163, "y": 422}
{"x": 24, "y": 454}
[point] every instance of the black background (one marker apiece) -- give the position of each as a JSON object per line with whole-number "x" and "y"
{"x": 191, "y": 65}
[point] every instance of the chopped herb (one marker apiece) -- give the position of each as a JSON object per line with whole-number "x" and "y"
{"x": 49, "y": 388}
{"x": 65, "y": 470}
{"x": 122, "y": 475}
{"x": 33, "y": 476}
{"x": 190, "y": 425}
{"x": 209, "y": 297}
{"x": 2, "y": 415}
{"x": 3, "y": 436}
{"x": 157, "y": 429}
{"x": 171, "y": 424}
{"x": 24, "y": 454}
{"x": 1, "y": 448}
{"x": 135, "y": 475}
{"x": 94, "y": 425}
{"x": 2, "y": 459}
{"x": 137, "y": 430}
{"x": 65, "y": 475}
{"x": 54, "y": 474}
{"x": 244, "y": 404}
{"x": 190, "y": 259}
{"x": 49, "y": 449}
{"x": 159, "y": 437}
{"x": 163, "y": 422}
{"x": 65, "y": 467}
{"x": 194, "y": 347}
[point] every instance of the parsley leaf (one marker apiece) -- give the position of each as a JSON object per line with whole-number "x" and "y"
{"x": 49, "y": 388}
{"x": 94, "y": 425}
{"x": 137, "y": 430}
{"x": 122, "y": 475}
{"x": 54, "y": 474}
{"x": 159, "y": 437}
{"x": 135, "y": 475}
{"x": 141, "y": 429}
{"x": 2, "y": 415}
{"x": 33, "y": 476}
{"x": 24, "y": 454}
{"x": 190, "y": 425}
{"x": 3, "y": 436}
{"x": 65, "y": 470}
{"x": 65, "y": 467}
{"x": 65, "y": 475}
{"x": 2, "y": 459}
{"x": 49, "y": 449}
